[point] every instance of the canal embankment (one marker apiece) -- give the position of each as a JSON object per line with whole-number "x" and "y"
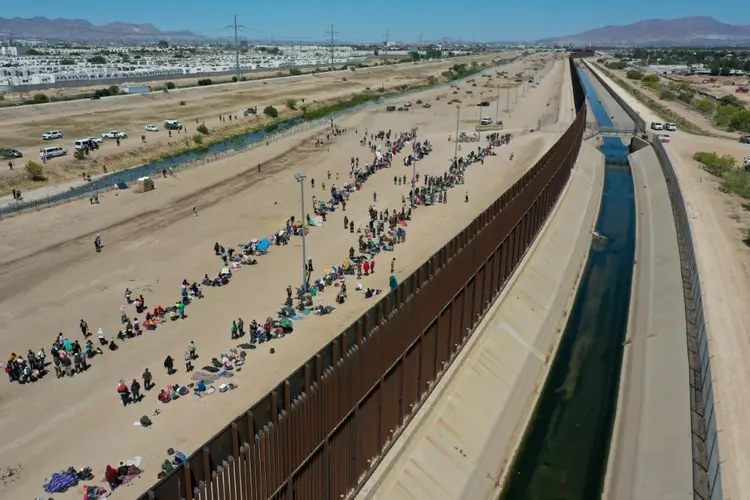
{"x": 469, "y": 429}
{"x": 650, "y": 454}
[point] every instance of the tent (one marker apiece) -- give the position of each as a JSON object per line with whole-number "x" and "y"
{"x": 263, "y": 245}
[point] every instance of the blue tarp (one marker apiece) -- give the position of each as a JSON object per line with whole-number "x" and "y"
{"x": 263, "y": 245}
{"x": 59, "y": 483}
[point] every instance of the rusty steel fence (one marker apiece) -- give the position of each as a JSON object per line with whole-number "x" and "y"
{"x": 322, "y": 430}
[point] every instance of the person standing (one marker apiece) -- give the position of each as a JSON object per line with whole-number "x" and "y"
{"x": 195, "y": 211}
{"x": 240, "y": 327}
{"x": 181, "y": 309}
{"x": 124, "y": 393}
{"x": 192, "y": 350}
{"x": 393, "y": 265}
{"x": 188, "y": 362}
{"x": 169, "y": 364}
{"x": 98, "y": 243}
{"x": 147, "y": 380}
{"x": 233, "y": 330}
{"x": 135, "y": 390}
{"x": 84, "y": 328}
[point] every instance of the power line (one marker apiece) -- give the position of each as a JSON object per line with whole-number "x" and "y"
{"x": 237, "y": 45}
{"x": 333, "y": 35}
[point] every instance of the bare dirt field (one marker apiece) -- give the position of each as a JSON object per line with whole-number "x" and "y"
{"x": 50, "y": 278}
{"x": 716, "y": 86}
{"x": 22, "y": 127}
{"x": 717, "y": 221}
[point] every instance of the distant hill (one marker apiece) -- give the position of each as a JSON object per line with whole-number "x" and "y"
{"x": 692, "y": 31}
{"x": 82, "y": 30}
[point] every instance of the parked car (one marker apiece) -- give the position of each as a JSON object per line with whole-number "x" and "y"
{"x": 10, "y": 153}
{"x": 484, "y": 103}
{"x": 745, "y": 139}
{"x": 746, "y": 163}
{"x": 53, "y": 151}
{"x": 151, "y": 128}
{"x": 52, "y": 134}
{"x": 486, "y": 121}
{"x": 656, "y": 126}
{"x": 114, "y": 134}
{"x": 672, "y": 127}
{"x": 97, "y": 140}
{"x": 82, "y": 144}
{"x": 172, "y": 125}
{"x": 663, "y": 137}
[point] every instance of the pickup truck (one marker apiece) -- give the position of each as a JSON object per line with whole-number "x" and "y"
{"x": 114, "y": 134}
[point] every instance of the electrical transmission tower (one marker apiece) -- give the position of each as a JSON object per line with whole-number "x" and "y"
{"x": 385, "y": 53}
{"x": 333, "y": 35}
{"x": 236, "y": 44}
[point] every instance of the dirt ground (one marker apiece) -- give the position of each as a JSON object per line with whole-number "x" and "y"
{"x": 717, "y": 221}
{"x": 50, "y": 278}
{"x": 721, "y": 87}
{"x": 22, "y": 127}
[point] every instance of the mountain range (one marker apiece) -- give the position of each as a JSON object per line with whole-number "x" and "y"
{"x": 79, "y": 29}
{"x": 686, "y": 31}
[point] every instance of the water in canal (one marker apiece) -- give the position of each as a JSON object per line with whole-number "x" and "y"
{"x": 564, "y": 452}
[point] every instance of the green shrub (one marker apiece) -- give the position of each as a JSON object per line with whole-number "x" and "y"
{"x": 715, "y": 164}
{"x": 667, "y": 95}
{"x": 740, "y": 121}
{"x": 634, "y": 74}
{"x": 198, "y": 139}
{"x": 205, "y": 82}
{"x": 271, "y": 112}
{"x": 686, "y": 96}
{"x": 35, "y": 171}
{"x": 291, "y": 103}
{"x": 705, "y": 106}
{"x": 79, "y": 155}
{"x": 736, "y": 181}
{"x": 182, "y": 103}
{"x": 724, "y": 115}
{"x": 295, "y": 72}
{"x": 650, "y": 78}
{"x": 202, "y": 129}
{"x": 170, "y": 85}
{"x": 39, "y": 98}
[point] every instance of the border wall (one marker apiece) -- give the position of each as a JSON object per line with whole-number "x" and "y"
{"x": 706, "y": 453}
{"x": 322, "y": 430}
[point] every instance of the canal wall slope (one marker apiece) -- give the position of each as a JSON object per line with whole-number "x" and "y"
{"x": 619, "y": 116}
{"x": 461, "y": 441}
{"x": 650, "y": 455}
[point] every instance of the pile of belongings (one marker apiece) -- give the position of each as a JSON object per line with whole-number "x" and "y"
{"x": 92, "y": 492}
{"x": 60, "y": 482}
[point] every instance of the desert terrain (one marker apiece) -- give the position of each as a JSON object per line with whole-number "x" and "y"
{"x": 22, "y": 127}
{"x": 51, "y": 278}
{"x": 717, "y": 221}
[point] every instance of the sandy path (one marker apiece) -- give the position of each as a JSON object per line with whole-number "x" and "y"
{"x": 51, "y": 278}
{"x": 724, "y": 267}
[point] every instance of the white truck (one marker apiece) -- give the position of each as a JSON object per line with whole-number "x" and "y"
{"x": 114, "y": 134}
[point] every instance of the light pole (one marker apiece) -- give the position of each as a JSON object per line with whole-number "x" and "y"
{"x": 455, "y": 146}
{"x": 497, "y": 106}
{"x": 507, "y": 99}
{"x": 301, "y": 177}
{"x": 481, "y": 101}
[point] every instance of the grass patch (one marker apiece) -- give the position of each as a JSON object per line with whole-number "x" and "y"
{"x": 732, "y": 180}
{"x": 715, "y": 164}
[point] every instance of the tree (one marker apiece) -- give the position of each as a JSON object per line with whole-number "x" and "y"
{"x": 634, "y": 74}
{"x": 234, "y": 79}
{"x": 724, "y": 114}
{"x": 67, "y": 62}
{"x": 667, "y": 95}
{"x": 34, "y": 52}
{"x": 651, "y": 78}
{"x": 295, "y": 72}
{"x": 170, "y": 85}
{"x": 271, "y": 112}
{"x": 35, "y": 171}
{"x": 39, "y": 98}
{"x": 740, "y": 121}
{"x": 291, "y": 103}
{"x": 204, "y": 82}
{"x": 202, "y": 129}
{"x": 163, "y": 44}
{"x": 97, "y": 60}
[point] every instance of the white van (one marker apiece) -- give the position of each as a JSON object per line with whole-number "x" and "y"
{"x": 486, "y": 121}
{"x": 52, "y": 152}
{"x": 87, "y": 143}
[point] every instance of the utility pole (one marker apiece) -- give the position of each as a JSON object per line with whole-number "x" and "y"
{"x": 236, "y": 45}
{"x": 385, "y": 56}
{"x": 455, "y": 139}
{"x": 497, "y": 106}
{"x": 507, "y": 99}
{"x": 333, "y": 35}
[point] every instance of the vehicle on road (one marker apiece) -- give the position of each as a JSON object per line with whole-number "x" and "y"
{"x": 745, "y": 139}
{"x": 407, "y": 104}
{"x": 96, "y": 139}
{"x": 172, "y": 125}
{"x": 663, "y": 137}
{"x": 390, "y": 108}
{"x": 484, "y": 104}
{"x": 419, "y": 101}
{"x": 114, "y": 134}
{"x": 251, "y": 111}
{"x": 52, "y": 152}
{"x": 82, "y": 144}
{"x": 656, "y": 126}
{"x": 151, "y": 128}
{"x": 746, "y": 163}
{"x": 486, "y": 121}
{"x": 52, "y": 134}
{"x": 427, "y": 105}
{"x": 10, "y": 153}
{"x": 672, "y": 127}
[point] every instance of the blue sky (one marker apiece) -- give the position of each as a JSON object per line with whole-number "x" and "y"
{"x": 481, "y": 20}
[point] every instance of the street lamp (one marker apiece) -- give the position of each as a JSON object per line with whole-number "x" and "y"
{"x": 301, "y": 177}
{"x": 455, "y": 146}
